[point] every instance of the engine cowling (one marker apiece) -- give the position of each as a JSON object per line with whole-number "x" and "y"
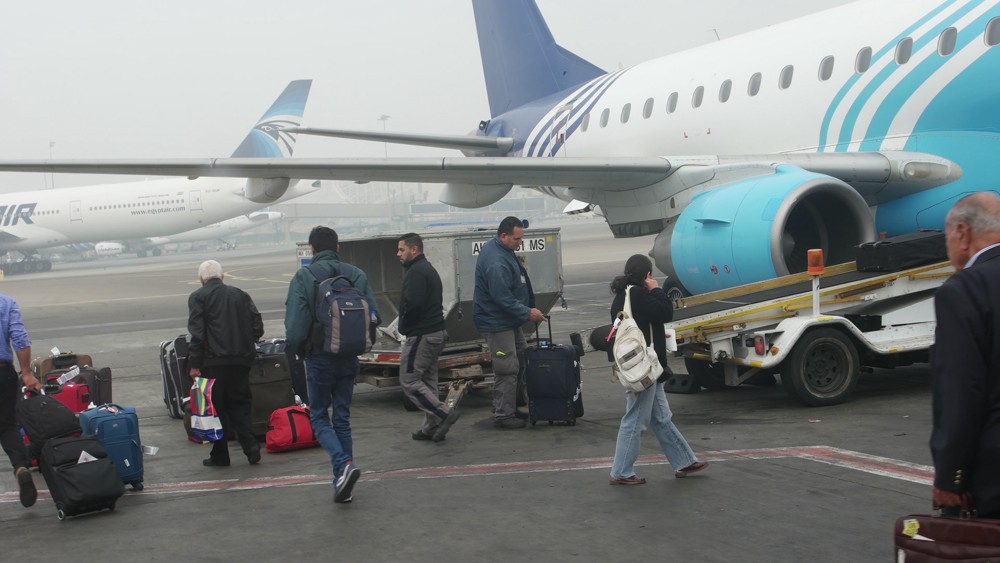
{"x": 761, "y": 228}
{"x": 108, "y": 248}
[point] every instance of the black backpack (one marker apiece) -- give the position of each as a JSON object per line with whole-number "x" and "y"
{"x": 44, "y": 418}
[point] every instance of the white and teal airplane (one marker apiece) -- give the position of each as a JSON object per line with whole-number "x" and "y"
{"x": 136, "y": 215}
{"x": 821, "y": 132}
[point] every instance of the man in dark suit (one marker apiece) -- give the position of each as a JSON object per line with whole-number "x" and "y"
{"x": 965, "y": 362}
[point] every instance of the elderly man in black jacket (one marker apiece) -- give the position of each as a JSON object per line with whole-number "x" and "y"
{"x": 224, "y": 326}
{"x": 421, "y": 320}
{"x": 965, "y": 362}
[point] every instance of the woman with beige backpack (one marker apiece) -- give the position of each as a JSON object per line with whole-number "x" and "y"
{"x": 639, "y": 299}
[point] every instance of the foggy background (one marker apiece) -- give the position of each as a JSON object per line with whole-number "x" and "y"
{"x": 116, "y": 79}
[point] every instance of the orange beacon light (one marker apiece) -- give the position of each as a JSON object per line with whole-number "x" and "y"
{"x": 815, "y": 262}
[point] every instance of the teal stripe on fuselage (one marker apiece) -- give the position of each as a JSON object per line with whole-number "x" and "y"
{"x": 825, "y": 127}
{"x": 893, "y": 103}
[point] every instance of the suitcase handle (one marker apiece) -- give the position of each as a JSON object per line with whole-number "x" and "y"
{"x": 538, "y": 332}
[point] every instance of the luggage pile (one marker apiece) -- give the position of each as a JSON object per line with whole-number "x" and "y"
{"x": 87, "y": 447}
{"x": 277, "y": 384}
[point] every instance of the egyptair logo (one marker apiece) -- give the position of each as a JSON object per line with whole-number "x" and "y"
{"x": 284, "y": 139}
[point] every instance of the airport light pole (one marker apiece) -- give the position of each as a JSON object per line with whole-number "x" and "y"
{"x": 383, "y": 118}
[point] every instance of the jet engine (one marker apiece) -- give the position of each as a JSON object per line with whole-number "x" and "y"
{"x": 108, "y": 248}
{"x": 761, "y": 228}
{"x": 473, "y": 196}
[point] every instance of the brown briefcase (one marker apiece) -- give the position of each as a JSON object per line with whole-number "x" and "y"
{"x": 921, "y": 538}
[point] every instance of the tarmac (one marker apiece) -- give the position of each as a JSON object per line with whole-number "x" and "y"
{"x": 785, "y": 482}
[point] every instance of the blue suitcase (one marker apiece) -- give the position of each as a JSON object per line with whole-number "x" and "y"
{"x": 117, "y": 428}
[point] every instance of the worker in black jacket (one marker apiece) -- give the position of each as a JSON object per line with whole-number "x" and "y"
{"x": 965, "y": 362}
{"x": 225, "y": 326}
{"x": 421, "y": 320}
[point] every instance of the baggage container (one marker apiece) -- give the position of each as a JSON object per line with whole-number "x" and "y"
{"x": 117, "y": 428}
{"x": 79, "y": 475}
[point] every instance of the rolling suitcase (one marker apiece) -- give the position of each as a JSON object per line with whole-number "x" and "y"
{"x": 44, "y": 418}
{"x": 271, "y": 388}
{"x": 174, "y": 375}
{"x": 117, "y": 428}
{"x": 921, "y": 538}
{"x": 552, "y": 380}
{"x": 901, "y": 252}
{"x": 80, "y": 476}
{"x": 98, "y": 381}
{"x": 42, "y": 366}
{"x": 76, "y": 396}
{"x": 296, "y": 366}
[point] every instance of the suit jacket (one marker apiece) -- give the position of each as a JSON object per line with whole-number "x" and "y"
{"x": 965, "y": 368}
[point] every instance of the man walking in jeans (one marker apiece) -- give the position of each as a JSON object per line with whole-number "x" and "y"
{"x": 503, "y": 301}
{"x": 421, "y": 320}
{"x": 330, "y": 377}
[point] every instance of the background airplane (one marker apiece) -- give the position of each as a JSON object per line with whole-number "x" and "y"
{"x": 30, "y": 221}
{"x": 824, "y": 131}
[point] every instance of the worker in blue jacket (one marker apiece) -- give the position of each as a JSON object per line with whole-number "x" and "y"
{"x": 502, "y": 303}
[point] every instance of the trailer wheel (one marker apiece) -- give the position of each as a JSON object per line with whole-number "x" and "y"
{"x": 823, "y": 369}
{"x": 409, "y": 405}
{"x": 674, "y": 290}
{"x": 709, "y": 376}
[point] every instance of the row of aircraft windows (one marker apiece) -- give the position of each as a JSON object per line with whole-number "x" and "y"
{"x": 128, "y": 205}
{"x": 52, "y": 212}
{"x": 862, "y": 62}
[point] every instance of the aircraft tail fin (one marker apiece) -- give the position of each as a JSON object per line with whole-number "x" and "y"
{"x": 266, "y": 139}
{"x": 521, "y": 59}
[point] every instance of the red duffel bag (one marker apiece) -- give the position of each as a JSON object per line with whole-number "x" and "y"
{"x": 289, "y": 429}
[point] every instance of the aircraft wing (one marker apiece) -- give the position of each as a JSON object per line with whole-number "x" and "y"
{"x": 601, "y": 181}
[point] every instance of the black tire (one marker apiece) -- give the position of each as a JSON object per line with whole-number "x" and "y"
{"x": 16, "y": 268}
{"x": 823, "y": 369}
{"x": 141, "y": 254}
{"x": 674, "y": 290}
{"x": 157, "y": 252}
{"x": 60, "y": 513}
{"x": 709, "y": 376}
{"x": 409, "y": 405}
{"x": 46, "y": 265}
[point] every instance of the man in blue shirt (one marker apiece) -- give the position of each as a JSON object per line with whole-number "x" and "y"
{"x": 12, "y": 332}
{"x": 502, "y": 303}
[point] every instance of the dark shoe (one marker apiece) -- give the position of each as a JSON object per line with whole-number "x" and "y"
{"x": 442, "y": 429}
{"x": 344, "y": 485}
{"x": 213, "y": 463}
{"x": 693, "y": 468}
{"x": 633, "y": 480}
{"x": 419, "y": 435}
{"x": 254, "y": 456}
{"x": 29, "y": 494}
{"x": 509, "y": 423}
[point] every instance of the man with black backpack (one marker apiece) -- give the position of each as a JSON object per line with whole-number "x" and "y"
{"x": 330, "y": 345}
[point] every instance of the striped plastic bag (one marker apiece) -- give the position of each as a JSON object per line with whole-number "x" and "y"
{"x": 205, "y": 423}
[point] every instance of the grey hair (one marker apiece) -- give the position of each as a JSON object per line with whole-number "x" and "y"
{"x": 980, "y": 211}
{"x": 210, "y": 269}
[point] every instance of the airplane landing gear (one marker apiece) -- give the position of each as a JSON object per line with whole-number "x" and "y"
{"x": 27, "y": 266}
{"x": 157, "y": 252}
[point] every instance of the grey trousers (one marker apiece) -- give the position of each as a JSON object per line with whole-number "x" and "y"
{"x": 507, "y": 352}
{"x": 418, "y": 376}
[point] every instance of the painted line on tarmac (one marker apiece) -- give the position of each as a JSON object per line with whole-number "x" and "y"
{"x": 129, "y": 323}
{"x": 875, "y": 465}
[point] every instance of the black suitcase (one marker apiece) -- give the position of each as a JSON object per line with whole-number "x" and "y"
{"x": 296, "y": 366}
{"x": 79, "y": 487}
{"x": 174, "y": 373}
{"x": 98, "y": 382}
{"x": 901, "y": 252}
{"x": 271, "y": 388}
{"x": 44, "y": 418}
{"x": 552, "y": 380}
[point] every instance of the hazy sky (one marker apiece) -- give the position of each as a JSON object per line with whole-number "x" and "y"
{"x": 117, "y": 79}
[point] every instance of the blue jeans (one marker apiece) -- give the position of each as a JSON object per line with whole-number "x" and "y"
{"x": 649, "y": 408}
{"x": 331, "y": 386}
